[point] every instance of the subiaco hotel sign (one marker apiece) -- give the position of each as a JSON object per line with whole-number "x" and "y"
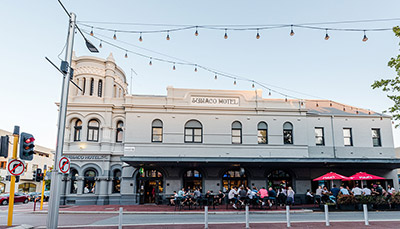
{"x": 214, "y": 101}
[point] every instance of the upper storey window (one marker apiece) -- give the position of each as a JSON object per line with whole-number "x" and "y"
{"x": 319, "y": 136}
{"x": 376, "y": 137}
{"x": 120, "y": 132}
{"x": 288, "y": 133}
{"x": 93, "y": 130}
{"x": 236, "y": 133}
{"x": 77, "y": 130}
{"x": 91, "y": 86}
{"x": 347, "y": 137}
{"x": 157, "y": 131}
{"x": 193, "y": 132}
{"x": 262, "y": 133}
{"x": 100, "y": 91}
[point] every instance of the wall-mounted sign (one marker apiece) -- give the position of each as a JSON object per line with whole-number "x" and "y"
{"x": 214, "y": 101}
{"x": 88, "y": 157}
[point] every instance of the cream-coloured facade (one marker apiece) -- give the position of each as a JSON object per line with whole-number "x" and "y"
{"x": 42, "y": 156}
{"x": 131, "y": 149}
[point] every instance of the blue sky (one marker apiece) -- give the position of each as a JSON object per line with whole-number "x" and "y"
{"x": 341, "y": 69}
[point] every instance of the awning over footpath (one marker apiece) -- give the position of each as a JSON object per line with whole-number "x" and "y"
{"x": 252, "y": 162}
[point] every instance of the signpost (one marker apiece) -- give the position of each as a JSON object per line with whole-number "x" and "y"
{"x": 12, "y": 183}
{"x": 64, "y": 165}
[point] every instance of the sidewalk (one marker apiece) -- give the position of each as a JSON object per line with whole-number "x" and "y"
{"x": 165, "y": 209}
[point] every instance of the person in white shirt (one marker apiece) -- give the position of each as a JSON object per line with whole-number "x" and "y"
{"x": 366, "y": 191}
{"x": 390, "y": 190}
{"x": 232, "y": 196}
{"x": 356, "y": 191}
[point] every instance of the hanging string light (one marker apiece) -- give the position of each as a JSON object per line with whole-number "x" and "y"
{"x": 285, "y": 99}
{"x": 253, "y": 85}
{"x": 356, "y": 111}
{"x": 215, "y": 77}
{"x": 173, "y": 67}
{"x": 101, "y": 45}
{"x": 330, "y": 104}
{"x": 91, "y": 32}
{"x": 140, "y": 37}
{"x": 301, "y": 103}
{"x": 326, "y": 35}
{"x": 344, "y": 108}
{"x": 258, "y": 35}
{"x": 195, "y": 68}
{"x": 269, "y": 93}
{"x": 365, "y": 38}
{"x": 126, "y": 54}
{"x": 150, "y": 62}
{"x": 196, "y": 33}
{"x": 115, "y": 35}
{"x": 168, "y": 36}
{"x": 317, "y": 105}
{"x": 291, "y": 30}
{"x": 226, "y": 34}
{"x": 234, "y": 82}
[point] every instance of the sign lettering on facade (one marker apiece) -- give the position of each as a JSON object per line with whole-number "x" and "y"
{"x": 89, "y": 157}
{"x": 214, "y": 101}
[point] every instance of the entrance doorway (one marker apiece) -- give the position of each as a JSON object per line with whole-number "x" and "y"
{"x": 150, "y": 185}
{"x": 279, "y": 179}
{"x": 233, "y": 178}
{"x": 193, "y": 179}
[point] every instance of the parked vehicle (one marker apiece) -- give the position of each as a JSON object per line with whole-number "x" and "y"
{"x": 33, "y": 195}
{"x": 46, "y": 196}
{"x": 18, "y": 197}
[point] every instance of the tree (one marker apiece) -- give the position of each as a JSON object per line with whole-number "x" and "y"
{"x": 392, "y": 86}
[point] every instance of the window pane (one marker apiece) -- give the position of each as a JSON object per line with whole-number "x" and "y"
{"x": 236, "y": 140}
{"x": 197, "y": 131}
{"x": 319, "y": 141}
{"x": 90, "y": 135}
{"x": 157, "y": 138}
{"x": 318, "y": 132}
{"x": 375, "y": 133}
{"x": 157, "y": 131}
{"x": 95, "y": 135}
{"x": 287, "y": 137}
{"x": 346, "y": 133}
{"x": 188, "y": 131}
{"x": 119, "y": 136}
{"x": 236, "y": 132}
{"x": 376, "y": 141}
{"x": 262, "y": 136}
{"x": 188, "y": 138}
{"x": 197, "y": 139}
{"x": 347, "y": 142}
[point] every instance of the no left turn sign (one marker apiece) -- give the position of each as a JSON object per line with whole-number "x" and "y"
{"x": 64, "y": 165}
{"x": 16, "y": 167}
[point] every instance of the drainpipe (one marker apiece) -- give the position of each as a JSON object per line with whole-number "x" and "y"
{"x": 333, "y": 137}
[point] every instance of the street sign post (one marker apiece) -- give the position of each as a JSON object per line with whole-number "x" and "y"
{"x": 12, "y": 169}
{"x": 64, "y": 165}
{"x": 15, "y": 167}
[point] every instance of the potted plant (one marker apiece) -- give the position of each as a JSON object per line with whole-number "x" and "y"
{"x": 395, "y": 201}
{"x": 361, "y": 200}
{"x": 346, "y": 202}
{"x": 381, "y": 203}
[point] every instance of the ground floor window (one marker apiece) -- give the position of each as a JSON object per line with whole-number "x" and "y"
{"x": 192, "y": 179}
{"x": 117, "y": 181}
{"x": 74, "y": 183}
{"x": 2, "y": 187}
{"x": 27, "y": 187}
{"x": 89, "y": 181}
{"x": 234, "y": 178}
{"x": 279, "y": 179}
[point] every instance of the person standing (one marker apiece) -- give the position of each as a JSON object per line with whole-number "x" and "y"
{"x": 318, "y": 194}
{"x": 290, "y": 196}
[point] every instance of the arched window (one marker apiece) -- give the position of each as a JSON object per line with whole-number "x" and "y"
{"x": 193, "y": 132}
{"x": 93, "y": 131}
{"x": 120, "y": 132}
{"x": 235, "y": 177}
{"x": 278, "y": 179}
{"x": 84, "y": 86}
{"x": 262, "y": 133}
{"x": 157, "y": 131}
{"x": 77, "y": 130}
{"x": 115, "y": 91}
{"x": 100, "y": 91}
{"x": 193, "y": 179}
{"x": 74, "y": 182}
{"x": 236, "y": 133}
{"x": 91, "y": 86}
{"x": 117, "y": 181}
{"x": 287, "y": 133}
{"x": 89, "y": 183}
{"x": 2, "y": 187}
{"x": 150, "y": 184}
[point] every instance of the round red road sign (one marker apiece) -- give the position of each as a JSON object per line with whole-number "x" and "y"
{"x": 16, "y": 167}
{"x": 64, "y": 165}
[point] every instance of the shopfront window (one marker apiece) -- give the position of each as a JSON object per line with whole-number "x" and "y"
{"x": 150, "y": 185}
{"x": 89, "y": 184}
{"x": 193, "y": 179}
{"x": 74, "y": 181}
{"x": 278, "y": 179}
{"x": 236, "y": 177}
{"x": 27, "y": 187}
{"x": 2, "y": 187}
{"x": 117, "y": 181}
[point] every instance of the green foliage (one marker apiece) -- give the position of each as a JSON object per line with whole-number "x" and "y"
{"x": 365, "y": 199}
{"x": 392, "y": 86}
{"x": 381, "y": 200}
{"x": 346, "y": 199}
{"x": 395, "y": 199}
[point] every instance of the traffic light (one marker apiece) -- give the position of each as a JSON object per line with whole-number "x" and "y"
{"x": 4, "y": 146}
{"x": 26, "y": 145}
{"x": 39, "y": 175}
{"x": 34, "y": 175}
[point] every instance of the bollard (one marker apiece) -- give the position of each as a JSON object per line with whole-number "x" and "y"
{"x": 365, "y": 214}
{"x": 326, "y": 215}
{"x": 288, "y": 215}
{"x": 120, "y": 218}
{"x": 206, "y": 217}
{"x": 247, "y": 217}
{"x": 34, "y": 204}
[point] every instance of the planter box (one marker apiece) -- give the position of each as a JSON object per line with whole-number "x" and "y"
{"x": 396, "y": 207}
{"x": 382, "y": 207}
{"x": 359, "y": 207}
{"x": 347, "y": 207}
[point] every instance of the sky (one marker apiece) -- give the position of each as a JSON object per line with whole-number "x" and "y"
{"x": 341, "y": 69}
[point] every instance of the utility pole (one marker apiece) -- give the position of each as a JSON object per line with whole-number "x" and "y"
{"x": 54, "y": 201}
{"x": 12, "y": 183}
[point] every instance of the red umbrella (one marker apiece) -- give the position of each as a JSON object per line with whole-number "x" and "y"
{"x": 331, "y": 176}
{"x": 364, "y": 176}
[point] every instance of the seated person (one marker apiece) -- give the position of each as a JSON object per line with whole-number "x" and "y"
{"x": 173, "y": 198}
{"x": 243, "y": 195}
{"x": 219, "y": 197}
{"x": 309, "y": 197}
{"x": 325, "y": 195}
{"x": 264, "y": 196}
{"x": 271, "y": 196}
{"x": 232, "y": 196}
